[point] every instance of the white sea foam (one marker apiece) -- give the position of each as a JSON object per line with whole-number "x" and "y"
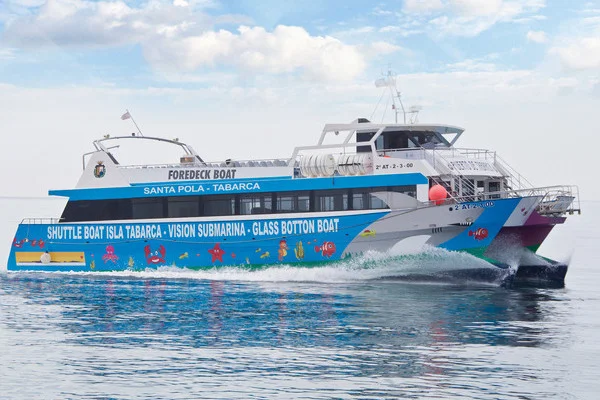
{"x": 430, "y": 264}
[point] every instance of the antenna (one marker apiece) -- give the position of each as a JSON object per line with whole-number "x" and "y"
{"x": 413, "y": 111}
{"x": 389, "y": 81}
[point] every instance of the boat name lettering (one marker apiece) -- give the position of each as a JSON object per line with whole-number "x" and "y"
{"x": 471, "y": 206}
{"x": 216, "y": 187}
{"x": 282, "y": 227}
{"x": 226, "y": 187}
{"x": 103, "y": 232}
{"x": 216, "y": 229}
{"x": 295, "y": 227}
{"x": 197, "y": 174}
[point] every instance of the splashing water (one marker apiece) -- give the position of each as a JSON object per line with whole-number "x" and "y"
{"x": 431, "y": 264}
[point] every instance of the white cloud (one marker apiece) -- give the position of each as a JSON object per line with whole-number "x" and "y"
{"x": 175, "y": 37}
{"x": 402, "y": 31}
{"x": 579, "y": 54}
{"x": 472, "y": 65}
{"x": 471, "y": 17}
{"x": 286, "y": 49}
{"x": 81, "y": 23}
{"x": 477, "y": 8}
{"x": 7, "y": 54}
{"x": 537, "y": 36}
{"x": 380, "y": 48}
{"x": 422, "y": 6}
{"x": 353, "y": 32}
{"x": 381, "y": 12}
{"x": 578, "y": 46}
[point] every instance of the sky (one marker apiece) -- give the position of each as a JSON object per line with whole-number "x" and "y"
{"x": 252, "y": 79}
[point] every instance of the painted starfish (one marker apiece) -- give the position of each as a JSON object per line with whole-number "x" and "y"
{"x": 217, "y": 253}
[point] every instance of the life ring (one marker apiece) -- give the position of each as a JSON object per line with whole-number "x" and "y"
{"x": 45, "y": 258}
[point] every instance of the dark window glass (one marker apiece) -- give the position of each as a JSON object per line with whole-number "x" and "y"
{"x": 376, "y": 203}
{"x": 181, "y": 207}
{"x": 410, "y": 190}
{"x": 218, "y": 205}
{"x": 494, "y": 186}
{"x": 292, "y": 202}
{"x": 116, "y": 209}
{"x": 364, "y": 137}
{"x": 255, "y": 204}
{"x": 97, "y": 210}
{"x": 360, "y": 201}
{"x": 78, "y": 211}
{"x": 147, "y": 208}
{"x": 331, "y": 200}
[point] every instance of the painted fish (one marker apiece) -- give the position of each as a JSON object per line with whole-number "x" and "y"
{"x": 183, "y": 255}
{"x": 479, "y": 233}
{"x": 326, "y": 249}
{"x": 266, "y": 254}
{"x": 367, "y": 233}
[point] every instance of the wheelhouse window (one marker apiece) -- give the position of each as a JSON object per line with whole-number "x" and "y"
{"x": 408, "y": 140}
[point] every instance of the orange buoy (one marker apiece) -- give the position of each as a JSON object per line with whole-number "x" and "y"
{"x": 438, "y": 194}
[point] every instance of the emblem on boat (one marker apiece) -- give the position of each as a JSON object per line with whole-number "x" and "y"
{"x": 100, "y": 170}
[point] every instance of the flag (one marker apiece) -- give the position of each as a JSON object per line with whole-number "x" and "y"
{"x": 126, "y": 116}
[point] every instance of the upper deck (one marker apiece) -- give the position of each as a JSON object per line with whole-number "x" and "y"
{"x": 422, "y": 154}
{"x": 362, "y": 151}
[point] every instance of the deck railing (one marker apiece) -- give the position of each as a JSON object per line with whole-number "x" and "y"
{"x": 272, "y": 162}
{"x": 556, "y": 200}
{"x": 40, "y": 221}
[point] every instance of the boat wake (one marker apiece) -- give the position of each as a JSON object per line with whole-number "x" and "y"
{"x": 428, "y": 265}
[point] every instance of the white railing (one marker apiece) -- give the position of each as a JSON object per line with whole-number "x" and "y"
{"x": 556, "y": 200}
{"x": 40, "y": 221}
{"x": 277, "y": 162}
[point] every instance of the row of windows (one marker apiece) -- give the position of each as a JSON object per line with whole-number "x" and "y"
{"x": 219, "y": 205}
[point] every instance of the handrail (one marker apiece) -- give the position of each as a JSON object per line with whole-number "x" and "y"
{"x": 565, "y": 197}
{"x": 40, "y": 221}
{"x": 268, "y": 162}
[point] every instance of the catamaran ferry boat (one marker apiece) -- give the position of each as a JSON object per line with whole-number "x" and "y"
{"x": 377, "y": 186}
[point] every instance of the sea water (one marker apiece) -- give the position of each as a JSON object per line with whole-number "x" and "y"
{"x": 353, "y": 330}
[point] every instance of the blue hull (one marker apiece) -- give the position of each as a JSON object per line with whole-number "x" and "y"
{"x": 250, "y": 241}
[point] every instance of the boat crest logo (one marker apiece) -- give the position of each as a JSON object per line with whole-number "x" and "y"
{"x": 100, "y": 170}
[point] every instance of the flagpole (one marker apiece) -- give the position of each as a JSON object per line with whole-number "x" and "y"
{"x": 133, "y": 120}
